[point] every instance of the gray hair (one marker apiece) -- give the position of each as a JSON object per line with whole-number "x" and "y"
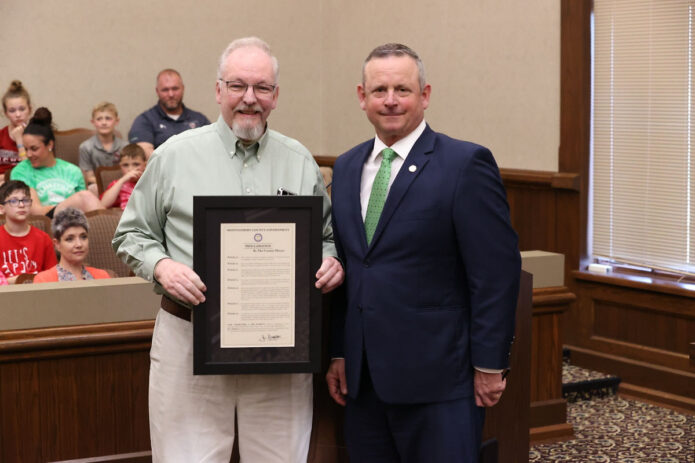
{"x": 248, "y": 42}
{"x": 68, "y": 217}
{"x": 396, "y": 49}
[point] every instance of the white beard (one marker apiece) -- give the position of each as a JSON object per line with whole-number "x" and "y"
{"x": 252, "y": 133}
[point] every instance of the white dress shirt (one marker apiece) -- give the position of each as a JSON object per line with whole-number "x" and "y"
{"x": 402, "y": 147}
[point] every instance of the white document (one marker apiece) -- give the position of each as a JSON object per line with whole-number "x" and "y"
{"x": 257, "y": 284}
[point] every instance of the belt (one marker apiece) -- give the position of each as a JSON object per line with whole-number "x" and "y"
{"x": 176, "y": 309}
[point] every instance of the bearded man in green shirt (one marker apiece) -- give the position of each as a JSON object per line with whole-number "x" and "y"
{"x": 192, "y": 417}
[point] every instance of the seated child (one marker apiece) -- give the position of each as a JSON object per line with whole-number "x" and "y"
{"x": 23, "y": 248}
{"x": 132, "y": 164}
{"x": 104, "y": 147}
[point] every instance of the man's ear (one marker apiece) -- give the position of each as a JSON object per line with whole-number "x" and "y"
{"x": 425, "y": 96}
{"x": 362, "y": 96}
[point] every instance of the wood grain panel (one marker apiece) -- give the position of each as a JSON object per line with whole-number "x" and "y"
{"x": 647, "y": 326}
{"x": 644, "y": 374}
{"x": 73, "y": 392}
{"x": 551, "y": 412}
{"x": 642, "y": 326}
{"x": 548, "y": 407}
{"x": 60, "y": 408}
{"x": 19, "y": 412}
{"x": 532, "y": 212}
{"x": 546, "y": 361}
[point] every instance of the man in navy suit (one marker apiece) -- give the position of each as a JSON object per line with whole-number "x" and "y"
{"x": 422, "y": 226}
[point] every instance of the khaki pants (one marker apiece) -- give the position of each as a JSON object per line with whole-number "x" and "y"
{"x": 192, "y": 417}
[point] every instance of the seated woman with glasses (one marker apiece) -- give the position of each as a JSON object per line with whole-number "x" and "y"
{"x": 55, "y": 184}
{"x": 70, "y": 228}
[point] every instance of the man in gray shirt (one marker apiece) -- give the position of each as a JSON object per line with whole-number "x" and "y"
{"x": 192, "y": 417}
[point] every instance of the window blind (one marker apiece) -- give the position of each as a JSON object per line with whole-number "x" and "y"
{"x": 642, "y": 183}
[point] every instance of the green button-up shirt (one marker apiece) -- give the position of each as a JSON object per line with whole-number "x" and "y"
{"x": 208, "y": 161}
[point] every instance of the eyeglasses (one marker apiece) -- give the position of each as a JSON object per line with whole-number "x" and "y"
{"x": 14, "y": 202}
{"x": 239, "y": 88}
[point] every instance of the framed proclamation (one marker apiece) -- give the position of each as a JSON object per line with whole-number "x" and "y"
{"x": 258, "y": 256}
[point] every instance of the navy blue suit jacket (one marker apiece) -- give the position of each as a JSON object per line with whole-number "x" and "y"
{"x": 435, "y": 293}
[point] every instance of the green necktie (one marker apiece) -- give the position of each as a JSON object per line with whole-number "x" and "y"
{"x": 380, "y": 189}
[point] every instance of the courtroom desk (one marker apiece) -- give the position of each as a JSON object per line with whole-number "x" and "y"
{"x": 74, "y": 372}
{"x": 508, "y": 421}
{"x": 548, "y": 406}
{"x": 74, "y": 367}
{"x": 550, "y": 300}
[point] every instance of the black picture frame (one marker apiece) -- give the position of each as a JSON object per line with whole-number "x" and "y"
{"x": 209, "y": 213}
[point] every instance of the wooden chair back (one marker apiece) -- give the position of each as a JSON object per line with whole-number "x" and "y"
{"x": 68, "y": 143}
{"x": 25, "y": 278}
{"x": 102, "y": 226}
{"x": 41, "y": 222}
{"x": 105, "y": 175}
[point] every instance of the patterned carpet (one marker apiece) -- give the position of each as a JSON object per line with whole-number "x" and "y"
{"x": 610, "y": 429}
{"x": 582, "y": 384}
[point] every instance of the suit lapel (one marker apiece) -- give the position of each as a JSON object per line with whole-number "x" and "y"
{"x": 412, "y": 166}
{"x": 354, "y": 176}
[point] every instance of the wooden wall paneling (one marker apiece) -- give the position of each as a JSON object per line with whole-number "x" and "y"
{"x": 68, "y": 408}
{"x": 535, "y": 210}
{"x": 120, "y": 383}
{"x": 639, "y": 335}
{"x": 546, "y": 350}
{"x": 74, "y": 392}
{"x": 644, "y": 326}
{"x": 569, "y": 232}
{"x": 640, "y": 326}
{"x": 533, "y": 217}
{"x": 140, "y": 424}
{"x": 19, "y": 412}
{"x": 575, "y": 128}
{"x": 117, "y": 401}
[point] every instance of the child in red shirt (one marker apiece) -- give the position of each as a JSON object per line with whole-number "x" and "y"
{"x": 132, "y": 162}
{"x": 23, "y": 248}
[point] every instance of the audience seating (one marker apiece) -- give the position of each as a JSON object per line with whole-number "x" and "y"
{"x": 102, "y": 226}
{"x": 68, "y": 143}
{"x": 39, "y": 221}
{"x": 106, "y": 175}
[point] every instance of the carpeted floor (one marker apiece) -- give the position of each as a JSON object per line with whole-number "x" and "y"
{"x": 610, "y": 429}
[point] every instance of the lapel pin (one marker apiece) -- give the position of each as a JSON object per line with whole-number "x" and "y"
{"x": 412, "y": 168}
